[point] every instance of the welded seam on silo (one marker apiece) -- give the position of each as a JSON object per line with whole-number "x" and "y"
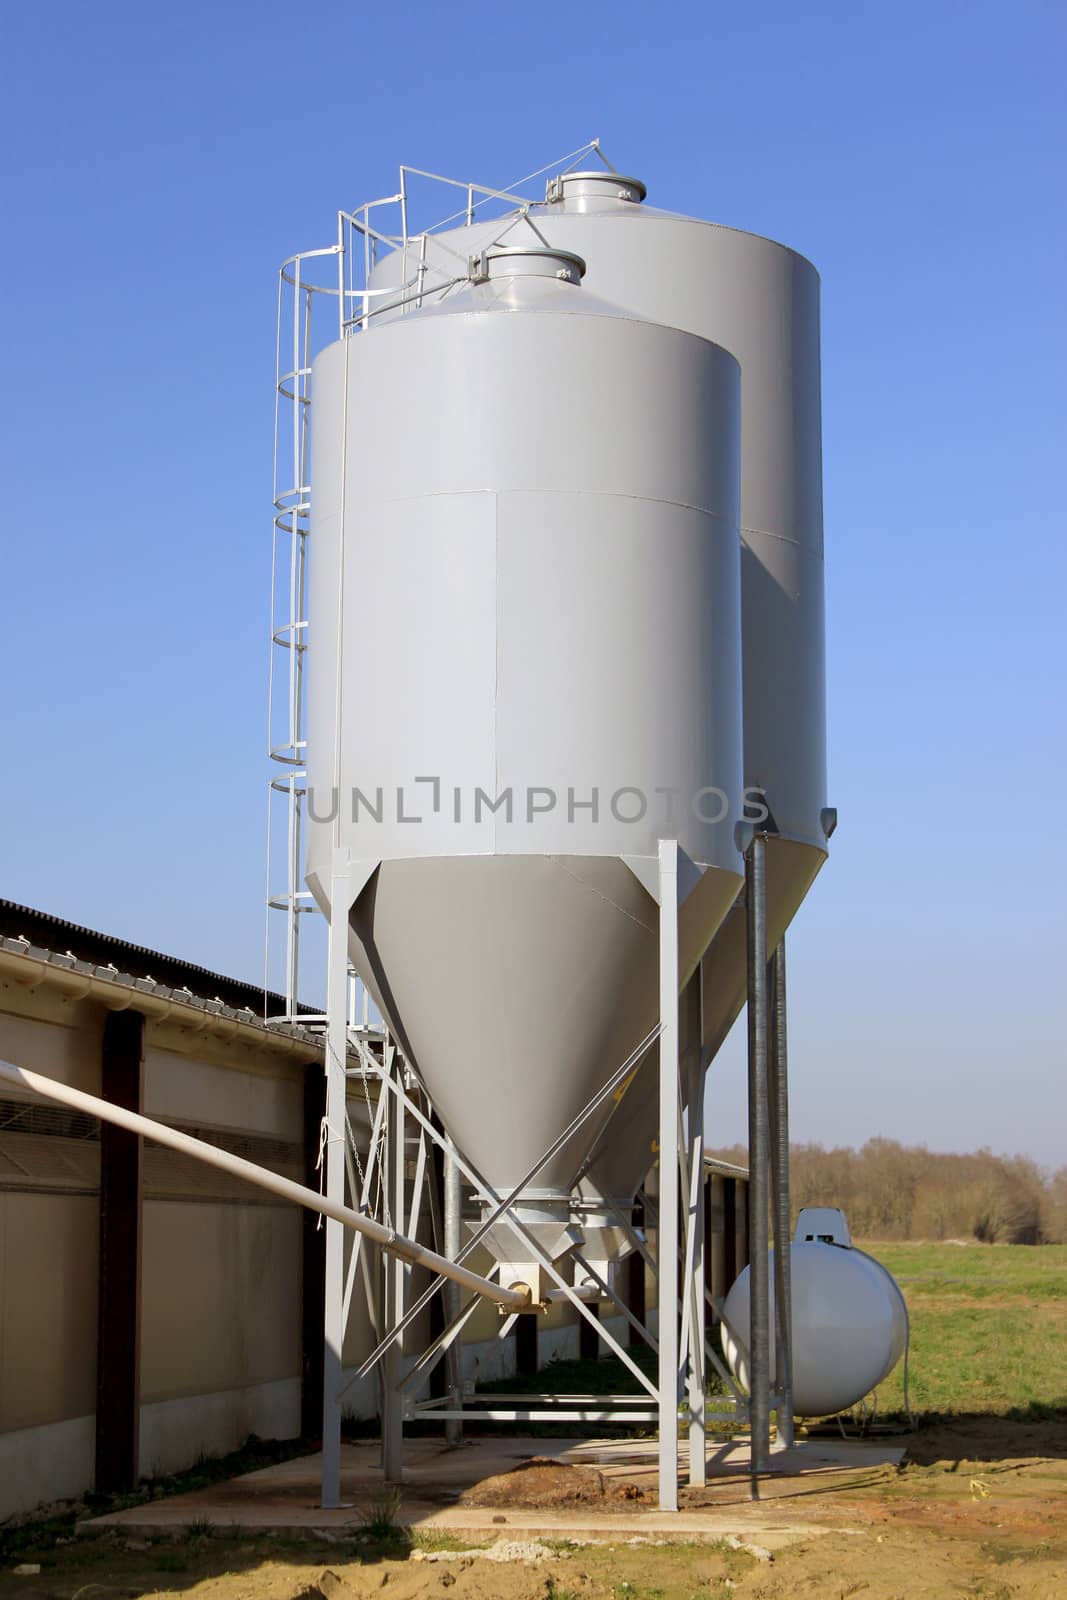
{"x": 496, "y": 667}
{"x": 591, "y": 494}
{"x": 599, "y": 893}
{"x": 783, "y": 538}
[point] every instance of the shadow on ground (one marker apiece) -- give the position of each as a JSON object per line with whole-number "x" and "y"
{"x": 985, "y": 1436}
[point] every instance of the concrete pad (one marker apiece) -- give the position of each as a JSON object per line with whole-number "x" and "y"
{"x": 733, "y": 1456}
{"x": 284, "y": 1498}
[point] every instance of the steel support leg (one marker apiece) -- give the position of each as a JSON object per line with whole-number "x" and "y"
{"x": 778, "y": 1088}
{"x": 758, "y": 1206}
{"x": 452, "y": 1293}
{"x": 695, "y": 1287}
{"x": 395, "y": 1279}
{"x": 667, "y": 1242}
{"x": 334, "y": 1161}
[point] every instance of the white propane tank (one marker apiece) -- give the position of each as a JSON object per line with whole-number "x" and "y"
{"x": 850, "y": 1323}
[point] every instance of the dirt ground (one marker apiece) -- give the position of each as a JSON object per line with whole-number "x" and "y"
{"x": 541, "y": 1484}
{"x": 978, "y": 1508}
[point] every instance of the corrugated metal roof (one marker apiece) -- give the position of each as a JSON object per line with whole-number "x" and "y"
{"x": 85, "y": 944}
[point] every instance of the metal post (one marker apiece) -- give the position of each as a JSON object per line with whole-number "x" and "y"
{"x": 730, "y": 1266}
{"x": 695, "y": 1287}
{"x": 334, "y": 1161}
{"x": 758, "y": 1207}
{"x": 778, "y": 1087}
{"x": 395, "y": 1275}
{"x": 313, "y": 1264}
{"x": 715, "y": 1245}
{"x": 453, "y": 1298}
{"x": 118, "y": 1346}
{"x": 667, "y": 1243}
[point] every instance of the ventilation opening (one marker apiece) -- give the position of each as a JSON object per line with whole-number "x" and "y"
{"x": 50, "y": 1149}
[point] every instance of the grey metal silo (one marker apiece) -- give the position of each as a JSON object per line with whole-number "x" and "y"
{"x": 524, "y": 583}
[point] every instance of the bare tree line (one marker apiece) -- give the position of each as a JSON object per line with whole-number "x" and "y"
{"x": 894, "y": 1191}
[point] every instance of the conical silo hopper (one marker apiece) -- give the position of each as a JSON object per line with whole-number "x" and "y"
{"x": 524, "y": 671}
{"x": 759, "y": 300}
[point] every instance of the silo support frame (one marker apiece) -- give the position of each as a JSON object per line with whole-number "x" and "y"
{"x": 681, "y": 1347}
{"x": 739, "y": 1403}
{"x": 693, "y": 1274}
{"x": 758, "y": 1160}
{"x": 778, "y": 1108}
{"x": 608, "y": 1293}
{"x": 501, "y": 1207}
{"x": 670, "y": 1111}
{"x": 446, "y": 1411}
{"x": 396, "y": 1283}
{"x": 342, "y": 896}
{"x": 453, "y": 1242}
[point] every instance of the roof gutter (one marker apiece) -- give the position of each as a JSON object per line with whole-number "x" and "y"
{"x": 32, "y": 968}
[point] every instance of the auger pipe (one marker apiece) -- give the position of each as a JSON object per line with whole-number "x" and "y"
{"x": 514, "y": 1299}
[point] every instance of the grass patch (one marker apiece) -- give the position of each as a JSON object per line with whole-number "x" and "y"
{"x": 980, "y": 1271}
{"x": 433, "y": 1539}
{"x": 253, "y": 1454}
{"x": 172, "y": 1561}
{"x": 31, "y": 1538}
{"x": 378, "y": 1522}
{"x": 988, "y": 1329}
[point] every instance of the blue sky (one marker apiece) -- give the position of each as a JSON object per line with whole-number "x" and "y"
{"x": 160, "y": 162}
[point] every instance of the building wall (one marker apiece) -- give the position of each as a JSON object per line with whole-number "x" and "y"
{"x": 49, "y": 1228}
{"x": 221, "y": 1352}
{"x": 220, "y": 1329}
{"x": 47, "y": 1308}
{"x": 222, "y": 1264}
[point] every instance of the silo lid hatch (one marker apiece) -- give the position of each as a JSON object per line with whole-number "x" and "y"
{"x": 527, "y": 261}
{"x": 594, "y": 185}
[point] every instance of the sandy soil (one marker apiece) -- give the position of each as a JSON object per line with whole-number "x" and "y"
{"x": 979, "y": 1509}
{"x": 900, "y": 1562}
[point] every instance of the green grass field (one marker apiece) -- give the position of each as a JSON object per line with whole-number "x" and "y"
{"x": 988, "y": 1327}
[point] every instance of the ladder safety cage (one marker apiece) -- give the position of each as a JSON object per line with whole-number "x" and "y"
{"x": 326, "y": 294}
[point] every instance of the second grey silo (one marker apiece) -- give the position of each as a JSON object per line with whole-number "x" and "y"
{"x": 760, "y": 300}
